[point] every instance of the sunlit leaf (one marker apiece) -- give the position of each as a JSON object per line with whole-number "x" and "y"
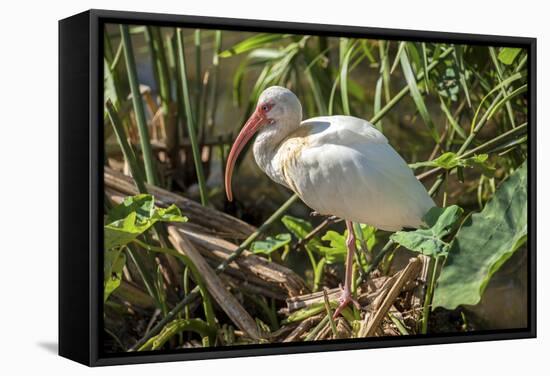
{"x": 450, "y": 160}
{"x": 507, "y": 55}
{"x": 337, "y": 249}
{"x": 113, "y": 263}
{"x": 483, "y": 243}
{"x": 256, "y": 41}
{"x": 297, "y": 226}
{"x": 270, "y": 244}
{"x": 429, "y": 241}
{"x": 134, "y": 216}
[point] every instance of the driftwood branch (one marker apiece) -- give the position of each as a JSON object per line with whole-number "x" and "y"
{"x": 231, "y": 306}
{"x": 273, "y": 273}
{"x": 198, "y": 214}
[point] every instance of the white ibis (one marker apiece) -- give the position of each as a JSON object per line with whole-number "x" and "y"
{"x": 337, "y": 165}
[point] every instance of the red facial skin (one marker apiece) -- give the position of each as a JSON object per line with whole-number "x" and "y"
{"x": 257, "y": 120}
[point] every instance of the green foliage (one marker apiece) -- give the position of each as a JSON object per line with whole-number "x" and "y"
{"x": 337, "y": 249}
{"x": 123, "y": 224}
{"x": 430, "y": 241}
{"x": 175, "y": 327}
{"x": 315, "y": 309}
{"x": 507, "y": 55}
{"x": 114, "y": 261}
{"x": 133, "y": 217}
{"x": 450, "y": 160}
{"x": 424, "y": 92}
{"x": 483, "y": 243}
{"x": 417, "y": 97}
{"x": 297, "y": 226}
{"x": 253, "y": 42}
{"x": 270, "y": 244}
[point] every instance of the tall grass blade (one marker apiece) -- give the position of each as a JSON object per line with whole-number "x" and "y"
{"x": 417, "y": 97}
{"x": 500, "y": 77}
{"x": 198, "y": 81}
{"x": 344, "y": 64}
{"x": 125, "y": 146}
{"x": 398, "y": 56}
{"x": 383, "y": 47}
{"x": 189, "y": 117}
{"x": 146, "y": 149}
{"x": 213, "y": 101}
{"x": 458, "y": 54}
{"x": 393, "y": 101}
{"x": 425, "y": 66}
{"x": 259, "y": 40}
{"x": 378, "y": 101}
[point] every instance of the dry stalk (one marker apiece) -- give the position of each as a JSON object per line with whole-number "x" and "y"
{"x": 372, "y": 322}
{"x": 217, "y": 289}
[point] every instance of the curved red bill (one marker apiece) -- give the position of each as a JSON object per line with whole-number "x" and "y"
{"x": 247, "y": 132}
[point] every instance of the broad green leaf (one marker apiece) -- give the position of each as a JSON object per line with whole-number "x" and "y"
{"x": 415, "y": 94}
{"x": 507, "y": 55}
{"x": 483, "y": 243}
{"x": 369, "y": 235}
{"x": 270, "y": 244}
{"x": 113, "y": 263}
{"x": 337, "y": 249}
{"x": 450, "y": 160}
{"x": 134, "y": 216}
{"x": 256, "y": 41}
{"x": 298, "y": 227}
{"x": 429, "y": 241}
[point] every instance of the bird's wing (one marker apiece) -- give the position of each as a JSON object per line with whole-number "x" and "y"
{"x": 347, "y": 168}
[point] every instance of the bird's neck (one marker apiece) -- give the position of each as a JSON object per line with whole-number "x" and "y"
{"x": 267, "y": 144}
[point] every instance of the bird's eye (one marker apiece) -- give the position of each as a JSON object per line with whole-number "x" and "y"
{"x": 265, "y": 108}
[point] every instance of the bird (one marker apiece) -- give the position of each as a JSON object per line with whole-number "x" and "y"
{"x": 338, "y": 165}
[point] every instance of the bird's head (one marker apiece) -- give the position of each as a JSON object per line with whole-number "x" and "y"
{"x": 278, "y": 109}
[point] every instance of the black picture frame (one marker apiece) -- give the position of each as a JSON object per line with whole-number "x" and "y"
{"x": 80, "y": 174}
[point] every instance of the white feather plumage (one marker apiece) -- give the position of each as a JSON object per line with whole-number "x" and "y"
{"x": 348, "y": 169}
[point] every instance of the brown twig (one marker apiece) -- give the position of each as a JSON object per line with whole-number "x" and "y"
{"x": 372, "y": 322}
{"x": 230, "y": 305}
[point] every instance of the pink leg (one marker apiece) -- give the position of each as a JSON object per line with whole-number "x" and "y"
{"x": 346, "y": 297}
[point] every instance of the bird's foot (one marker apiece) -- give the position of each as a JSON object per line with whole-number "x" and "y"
{"x": 345, "y": 299}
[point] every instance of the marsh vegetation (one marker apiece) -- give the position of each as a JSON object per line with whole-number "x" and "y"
{"x": 185, "y": 268}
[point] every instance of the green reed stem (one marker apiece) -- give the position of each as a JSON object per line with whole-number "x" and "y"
{"x": 215, "y": 82}
{"x": 198, "y": 80}
{"x": 162, "y": 68}
{"x": 125, "y": 146}
{"x": 432, "y": 271}
{"x": 191, "y": 128}
{"x": 138, "y": 106}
